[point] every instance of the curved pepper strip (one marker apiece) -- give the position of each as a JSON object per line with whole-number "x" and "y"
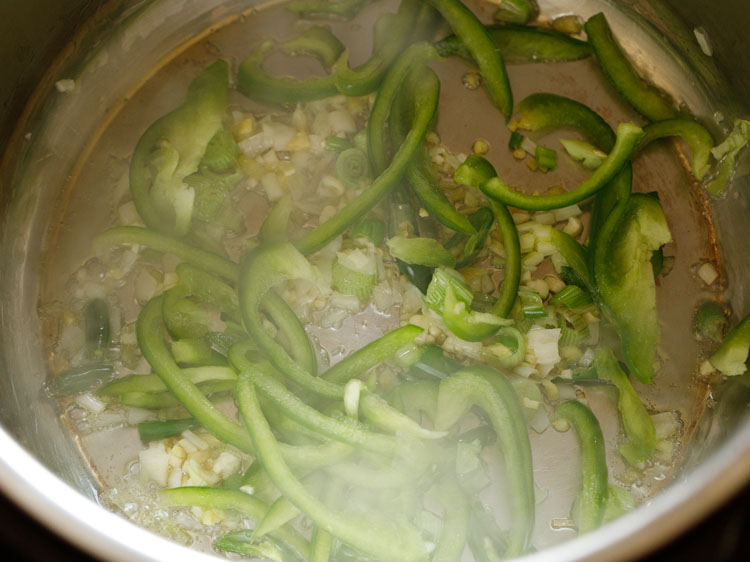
{"x": 475, "y": 171}
{"x": 318, "y": 42}
{"x": 628, "y": 136}
{"x": 639, "y": 427}
{"x": 266, "y": 267}
{"x": 320, "y": 9}
{"x": 591, "y": 503}
{"x": 171, "y": 149}
{"x": 421, "y": 176}
{"x": 374, "y": 408}
{"x": 482, "y": 49}
{"x": 254, "y": 82}
{"x": 246, "y": 504}
{"x": 550, "y": 111}
{"x": 392, "y": 33}
{"x": 402, "y": 218}
{"x": 624, "y": 278}
{"x": 522, "y": 44}
{"x": 612, "y": 197}
{"x": 372, "y": 354}
{"x": 288, "y": 323}
{"x": 150, "y": 331}
{"x": 491, "y": 391}
{"x": 693, "y": 133}
{"x": 425, "y": 100}
{"x": 644, "y": 97}
{"x": 452, "y": 540}
{"x": 576, "y": 256}
{"x": 482, "y": 222}
{"x": 282, "y": 511}
{"x": 391, "y": 540}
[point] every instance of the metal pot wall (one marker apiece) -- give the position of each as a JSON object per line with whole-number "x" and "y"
{"x": 44, "y": 133}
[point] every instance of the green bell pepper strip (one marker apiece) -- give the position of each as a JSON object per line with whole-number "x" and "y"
{"x": 483, "y": 50}
{"x": 165, "y": 400}
{"x": 321, "y": 545}
{"x": 576, "y": 256}
{"x": 412, "y": 397}
{"x": 392, "y": 540}
{"x": 494, "y": 394}
{"x": 316, "y": 41}
{"x": 380, "y": 414}
{"x": 171, "y": 149}
{"x": 308, "y": 416}
{"x": 412, "y": 60}
{"x": 731, "y": 357}
{"x": 382, "y": 477}
{"x": 591, "y": 502}
{"x": 474, "y": 171}
{"x": 254, "y": 82}
{"x": 612, "y": 198}
{"x": 522, "y": 44}
{"x": 136, "y": 235}
{"x": 697, "y": 137}
{"x": 644, "y": 97}
{"x": 517, "y": 11}
{"x": 544, "y": 111}
{"x": 153, "y": 383}
{"x": 372, "y": 354}
{"x": 628, "y": 136}
{"x": 321, "y": 9}
{"x": 486, "y": 540}
{"x": 247, "y": 505}
{"x": 207, "y": 287}
{"x": 421, "y": 176}
{"x": 150, "y": 331}
{"x": 452, "y": 540}
{"x": 624, "y": 278}
{"x": 638, "y": 425}
{"x": 288, "y": 323}
{"x": 282, "y": 511}
{"x": 392, "y": 33}
{"x": 402, "y": 219}
{"x": 469, "y": 325}
{"x": 242, "y": 542}
{"x": 482, "y": 222}
{"x": 264, "y": 268}
{"x": 426, "y": 95}
{"x": 420, "y": 251}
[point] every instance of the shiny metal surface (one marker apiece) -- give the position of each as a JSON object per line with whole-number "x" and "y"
{"x": 40, "y": 463}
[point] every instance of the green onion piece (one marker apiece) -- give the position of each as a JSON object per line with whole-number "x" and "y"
{"x": 351, "y": 281}
{"x": 731, "y": 357}
{"x": 585, "y": 153}
{"x": 532, "y": 305}
{"x": 338, "y": 144}
{"x": 546, "y": 157}
{"x": 276, "y": 225}
{"x": 710, "y": 322}
{"x": 155, "y": 430}
{"x": 441, "y": 279}
{"x": 574, "y": 298}
{"x": 96, "y": 326}
{"x": 352, "y": 166}
{"x": 517, "y": 11}
{"x": 79, "y": 379}
{"x": 420, "y": 251}
{"x": 515, "y": 141}
{"x": 221, "y": 152}
{"x": 371, "y": 228}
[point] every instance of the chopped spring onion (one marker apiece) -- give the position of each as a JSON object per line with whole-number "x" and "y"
{"x": 420, "y": 251}
{"x": 352, "y": 391}
{"x": 574, "y": 298}
{"x": 96, "y": 322}
{"x": 532, "y": 305}
{"x": 710, "y": 322}
{"x": 441, "y": 279}
{"x": 509, "y": 350}
{"x": 338, "y": 144}
{"x": 352, "y": 166}
{"x": 354, "y": 272}
{"x": 155, "y": 430}
{"x": 516, "y": 139}
{"x": 546, "y": 157}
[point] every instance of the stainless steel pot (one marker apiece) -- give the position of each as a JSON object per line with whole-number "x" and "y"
{"x": 45, "y": 135}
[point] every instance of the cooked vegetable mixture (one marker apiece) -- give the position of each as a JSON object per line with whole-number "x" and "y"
{"x": 505, "y": 302}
